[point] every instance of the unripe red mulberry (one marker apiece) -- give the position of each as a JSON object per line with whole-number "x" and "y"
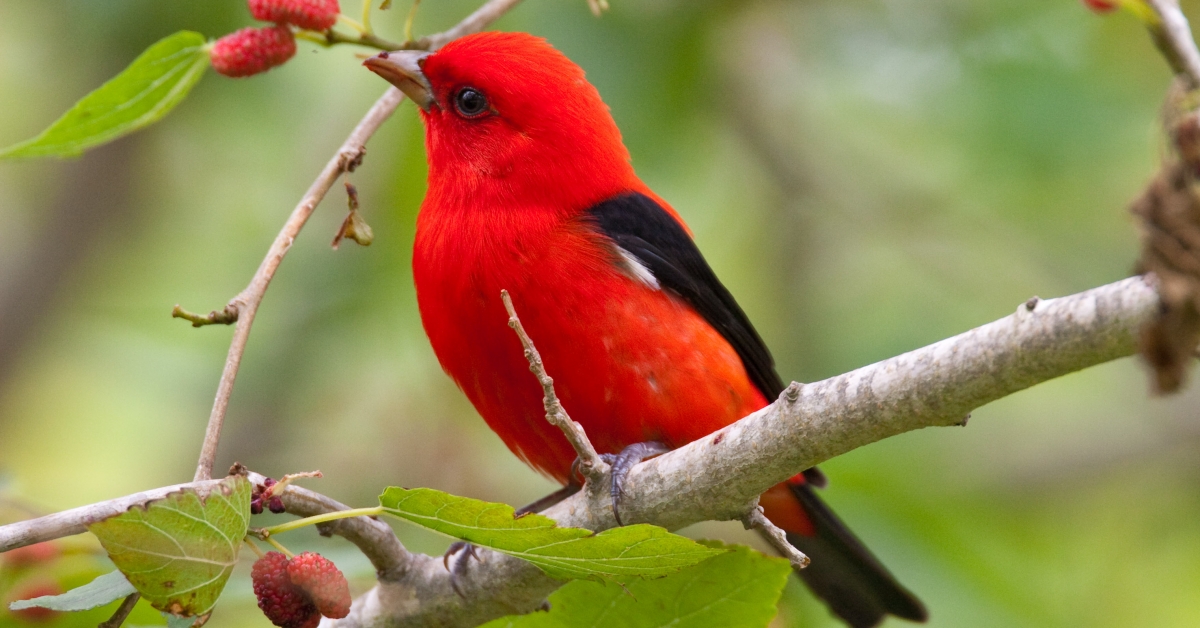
{"x": 323, "y": 582}
{"x": 1101, "y": 6}
{"x": 252, "y": 50}
{"x": 284, "y": 603}
{"x": 313, "y": 15}
{"x": 29, "y": 555}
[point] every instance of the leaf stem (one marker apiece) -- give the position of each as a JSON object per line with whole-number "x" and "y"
{"x": 352, "y": 23}
{"x": 279, "y": 546}
{"x": 408, "y": 21}
{"x": 366, "y": 16}
{"x": 253, "y": 547}
{"x": 329, "y": 516}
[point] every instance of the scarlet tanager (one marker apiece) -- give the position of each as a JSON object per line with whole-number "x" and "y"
{"x": 531, "y": 190}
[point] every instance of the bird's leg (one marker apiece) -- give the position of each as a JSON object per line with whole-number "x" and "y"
{"x": 621, "y": 464}
{"x": 460, "y": 562}
{"x": 459, "y": 566}
{"x": 549, "y": 500}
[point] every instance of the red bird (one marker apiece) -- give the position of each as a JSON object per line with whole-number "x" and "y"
{"x": 531, "y": 191}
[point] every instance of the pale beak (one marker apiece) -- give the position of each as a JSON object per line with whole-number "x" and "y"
{"x": 403, "y": 69}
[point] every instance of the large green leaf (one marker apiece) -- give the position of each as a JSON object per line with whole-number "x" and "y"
{"x": 737, "y": 589}
{"x": 620, "y": 554}
{"x": 140, "y": 95}
{"x": 104, "y": 589}
{"x": 179, "y": 551}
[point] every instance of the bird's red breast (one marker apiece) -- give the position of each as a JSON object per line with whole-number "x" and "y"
{"x": 631, "y": 363}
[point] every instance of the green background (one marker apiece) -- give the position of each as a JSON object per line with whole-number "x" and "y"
{"x": 866, "y": 176}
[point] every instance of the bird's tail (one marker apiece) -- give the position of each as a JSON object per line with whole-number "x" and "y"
{"x": 843, "y": 573}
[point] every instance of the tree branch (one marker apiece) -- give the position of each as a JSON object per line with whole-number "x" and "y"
{"x": 76, "y": 520}
{"x": 122, "y": 613}
{"x": 244, "y": 306}
{"x": 1173, "y": 35}
{"x": 717, "y": 476}
{"x": 473, "y": 23}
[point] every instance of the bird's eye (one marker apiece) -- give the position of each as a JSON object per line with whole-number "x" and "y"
{"x": 470, "y": 102}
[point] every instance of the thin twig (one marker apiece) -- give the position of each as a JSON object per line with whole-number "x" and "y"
{"x": 76, "y": 520}
{"x": 277, "y": 488}
{"x": 347, "y": 158}
{"x": 590, "y": 464}
{"x": 227, "y": 316}
{"x": 122, "y": 612}
{"x": 371, "y": 40}
{"x": 756, "y": 520}
{"x": 246, "y": 303}
{"x": 473, "y": 23}
{"x": 1174, "y": 37}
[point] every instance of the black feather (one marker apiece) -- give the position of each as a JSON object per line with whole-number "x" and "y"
{"x": 648, "y": 232}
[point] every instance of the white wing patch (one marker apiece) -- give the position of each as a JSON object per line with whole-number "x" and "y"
{"x": 636, "y": 269}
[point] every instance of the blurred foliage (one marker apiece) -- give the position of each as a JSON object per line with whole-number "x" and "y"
{"x": 867, "y": 176}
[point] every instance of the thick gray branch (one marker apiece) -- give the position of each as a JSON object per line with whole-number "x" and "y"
{"x": 716, "y": 477}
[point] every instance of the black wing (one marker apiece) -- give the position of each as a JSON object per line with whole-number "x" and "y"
{"x": 652, "y": 236}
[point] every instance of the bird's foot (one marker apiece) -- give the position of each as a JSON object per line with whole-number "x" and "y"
{"x": 622, "y": 463}
{"x": 549, "y": 500}
{"x": 461, "y": 552}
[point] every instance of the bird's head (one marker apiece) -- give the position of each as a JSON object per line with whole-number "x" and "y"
{"x": 507, "y": 112}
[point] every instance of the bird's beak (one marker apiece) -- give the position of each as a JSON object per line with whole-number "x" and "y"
{"x": 403, "y": 69}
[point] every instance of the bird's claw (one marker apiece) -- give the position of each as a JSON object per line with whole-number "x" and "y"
{"x": 467, "y": 551}
{"x": 623, "y": 462}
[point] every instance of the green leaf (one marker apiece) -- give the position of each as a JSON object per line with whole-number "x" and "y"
{"x": 620, "y": 554}
{"x": 179, "y": 551}
{"x": 104, "y": 589}
{"x": 140, "y": 95}
{"x": 737, "y": 589}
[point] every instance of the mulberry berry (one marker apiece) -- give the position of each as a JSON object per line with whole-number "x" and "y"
{"x": 313, "y": 15}
{"x": 252, "y": 50}
{"x": 284, "y": 603}
{"x": 1101, "y": 6}
{"x": 323, "y": 582}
